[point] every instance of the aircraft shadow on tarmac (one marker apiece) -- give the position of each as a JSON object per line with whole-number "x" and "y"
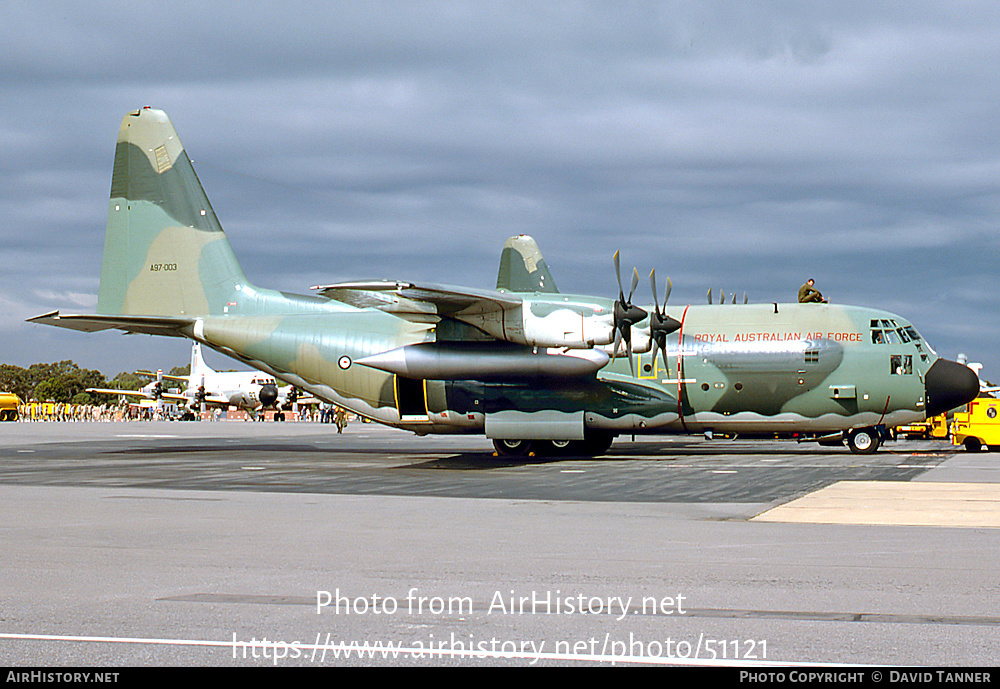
{"x": 437, "y": 458}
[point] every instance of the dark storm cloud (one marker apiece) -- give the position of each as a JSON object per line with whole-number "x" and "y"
{"x": 729, "y": 145}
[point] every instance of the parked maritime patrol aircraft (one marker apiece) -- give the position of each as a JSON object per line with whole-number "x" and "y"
{"x": 532, "y": 368}
{"x": 250, "y": 390}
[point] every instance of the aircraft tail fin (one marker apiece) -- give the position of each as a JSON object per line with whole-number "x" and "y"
{"x": 522, "y": 268}
{"x": 198, "y": 366}
{"x": 165, "y": 253}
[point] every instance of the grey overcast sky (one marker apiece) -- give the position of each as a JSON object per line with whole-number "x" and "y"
{"x": 742, "y": 146}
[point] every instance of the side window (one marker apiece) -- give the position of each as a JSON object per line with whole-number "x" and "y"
{"x": 901, "y": 365}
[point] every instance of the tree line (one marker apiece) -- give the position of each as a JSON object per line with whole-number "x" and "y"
{"x": 66, "y": 381}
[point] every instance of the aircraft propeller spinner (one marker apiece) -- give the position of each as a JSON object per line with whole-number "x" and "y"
{"x": 660, "y": 324}
{"x": 626, "y": 315}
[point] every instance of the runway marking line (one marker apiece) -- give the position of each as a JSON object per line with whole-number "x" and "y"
{"x": 364, "y": 651}
{"x": 895, "y": 503}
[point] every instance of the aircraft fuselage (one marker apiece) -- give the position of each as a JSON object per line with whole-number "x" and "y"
{"x": 811, "y": 368}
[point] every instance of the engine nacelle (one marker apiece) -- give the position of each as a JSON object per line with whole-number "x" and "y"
{"x": 548, "y": 324}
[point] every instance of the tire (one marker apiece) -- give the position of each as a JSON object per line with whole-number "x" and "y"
{"x": 513, "y": 448}
{"x": 596, "y": 443}
{"x": 973, "y": 444}
{"x": 863, "y": 441}
{"x": 557, "y": 448}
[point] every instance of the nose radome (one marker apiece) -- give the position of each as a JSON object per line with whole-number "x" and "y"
{"x": 948, "y": 385}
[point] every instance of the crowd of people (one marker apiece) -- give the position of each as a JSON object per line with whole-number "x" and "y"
{"x": 60, "y": 411}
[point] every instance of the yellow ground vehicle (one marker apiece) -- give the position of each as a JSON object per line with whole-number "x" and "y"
{"x": 9, "y": 403}
{"x": 934, "y": 428}
{"x": 978, "y": 426}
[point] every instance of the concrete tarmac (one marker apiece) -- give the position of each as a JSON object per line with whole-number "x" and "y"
{"x": 239, "y": 544}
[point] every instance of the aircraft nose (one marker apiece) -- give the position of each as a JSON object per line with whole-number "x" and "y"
{"x": 948, "y": 385}
{"x": 269, "y": 395}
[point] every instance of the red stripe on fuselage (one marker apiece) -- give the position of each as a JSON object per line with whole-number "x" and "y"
{"x": 680, "y": 369}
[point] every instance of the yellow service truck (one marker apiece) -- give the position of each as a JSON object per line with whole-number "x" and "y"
{"x": 9, "y": 403}
{"x": 978, "y": 426}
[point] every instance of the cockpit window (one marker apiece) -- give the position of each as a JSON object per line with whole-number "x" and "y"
{"x": 887, "y": 331}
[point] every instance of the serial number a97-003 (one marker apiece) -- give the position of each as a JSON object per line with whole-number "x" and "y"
{"x": 156, "y": 267}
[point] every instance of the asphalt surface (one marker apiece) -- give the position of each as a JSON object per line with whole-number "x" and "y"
{"x": 211, "y": 543}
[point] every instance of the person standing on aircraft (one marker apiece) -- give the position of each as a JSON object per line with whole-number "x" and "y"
{"x": 809, "y": 294}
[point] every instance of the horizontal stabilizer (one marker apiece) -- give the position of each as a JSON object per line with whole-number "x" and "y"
{"x": 92, "y": 323}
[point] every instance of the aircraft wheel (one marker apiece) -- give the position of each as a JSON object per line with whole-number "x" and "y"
{"x": 513, "y": 448}
{"x": 973, "y": 444}
{"x": 596, "y": 443}
{"x": 556, "y": 448}
{"x": 863, "y": 441}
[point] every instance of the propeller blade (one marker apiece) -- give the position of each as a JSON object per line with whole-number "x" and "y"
{"x": 652, "y": 288}
{"x": 618, "y": 274}
{"x": 635, "y": 283}
{"x": 709, "y": 295}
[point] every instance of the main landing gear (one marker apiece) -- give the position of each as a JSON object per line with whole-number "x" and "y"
{"x": 595, "y": 443}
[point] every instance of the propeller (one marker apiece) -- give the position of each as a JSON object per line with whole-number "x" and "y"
{"x": 268, "y": 395}
{"x": 200, "y": 395}
{"x": 158, "y": 388}
{"x": 626, "y": 315}
{"x": 660, "y": 324}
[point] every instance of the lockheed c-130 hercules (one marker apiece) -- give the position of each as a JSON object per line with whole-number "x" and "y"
{"x": 531, "y": 368}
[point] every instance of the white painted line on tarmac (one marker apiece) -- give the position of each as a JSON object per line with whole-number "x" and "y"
{"x": 329, "y": 650}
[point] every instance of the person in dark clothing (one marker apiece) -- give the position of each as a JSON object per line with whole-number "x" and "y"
{"x": 809, "y": 294}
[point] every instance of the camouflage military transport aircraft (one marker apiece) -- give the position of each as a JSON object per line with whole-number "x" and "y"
{"x": 532, "y": 368}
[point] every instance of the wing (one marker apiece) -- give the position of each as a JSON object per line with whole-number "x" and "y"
{"x": 127, "y": 393}
{"x": 406, "y": 298}
{"x": 164, "y": 376}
